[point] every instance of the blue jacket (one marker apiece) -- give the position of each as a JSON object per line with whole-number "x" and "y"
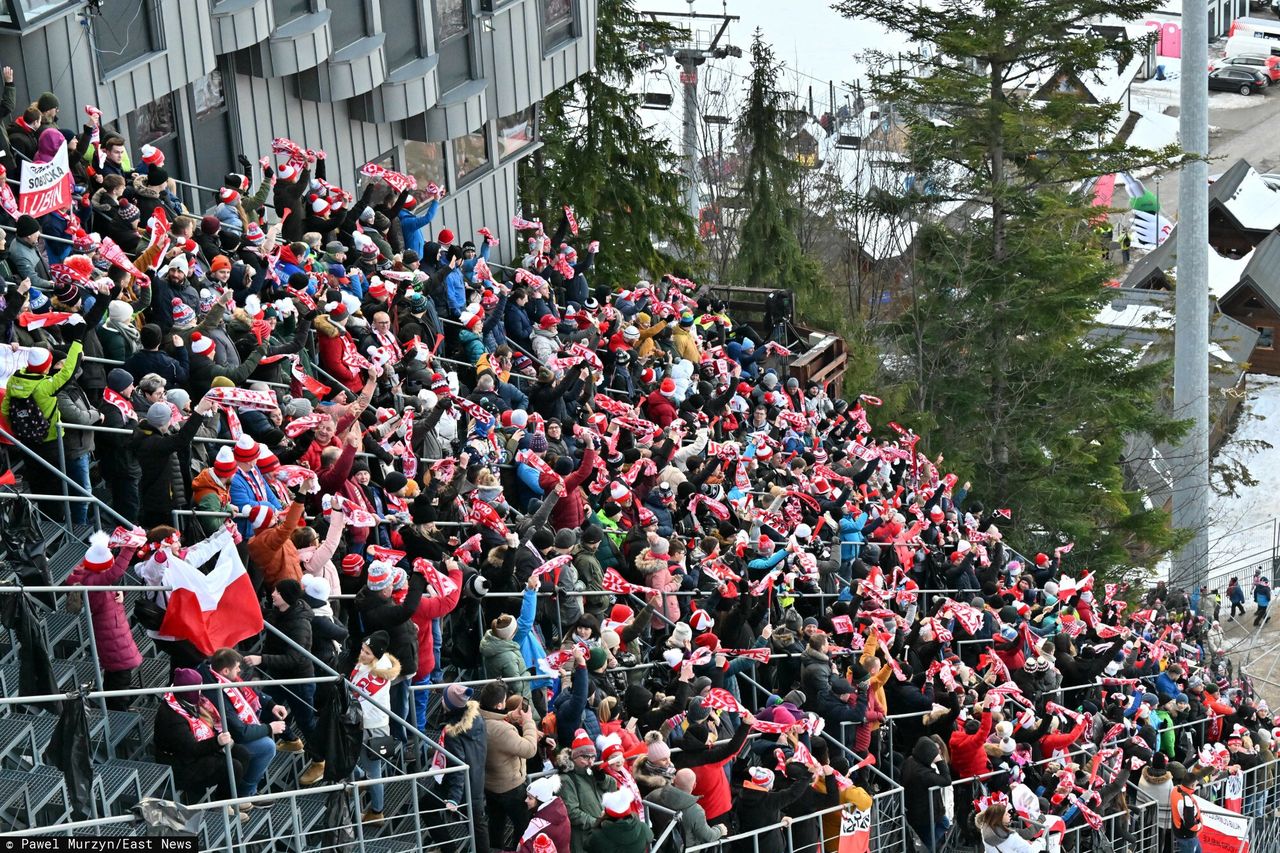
{"x": 851, "y": 538}
{"x": 456, "y": 292}
{"x": 531, "y": 648}
{"x": 472, "y": 346}
{"x": 469, "y": 267}
{"x": 518, "y": 325}
{"x": 411, "y": 226}
{"x": 528, "y": 489}
{"x": 747, "y": 360}
{"x": 242, "y": 495}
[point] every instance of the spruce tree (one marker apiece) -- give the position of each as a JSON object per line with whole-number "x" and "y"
{"x": 623, "y": 180}
{"x": 998, "y": 349}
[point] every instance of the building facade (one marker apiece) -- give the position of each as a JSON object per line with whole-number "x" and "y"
{"x": 443, "y": 89}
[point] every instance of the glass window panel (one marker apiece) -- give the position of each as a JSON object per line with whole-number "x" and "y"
{"x": 557, "y": 21}
{"x": 470, "y": 154}
{"x": 347, "y": 24}
{"x": 208, "y": 94}
{"x": 400, "y": 22}
{"x": 290, "y": 10}
{"x": 451, "y": 19}
{"x": 124, "y": 32}
{"x": 154, "y": 121}
{"x": 425, "y": 161}
{"x": 516, "y": 132}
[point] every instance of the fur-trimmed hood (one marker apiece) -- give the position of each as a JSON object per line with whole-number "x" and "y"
{"x": 327, "y": 327}
{"x": 386, "y": 667}
{"x": 469, "y": 715}
{"x": 1154, "y": 777}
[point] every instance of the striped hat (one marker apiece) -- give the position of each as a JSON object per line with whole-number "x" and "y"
{"x": 352, "y": 564}
{"x": 98, "y": 558}
{"x": 224, "y": 464}
{"x": 246, "y": 450}
{"x": 200, "y": 345}
{"x": 379, "y": 576}
{"x": 261, "y": 517}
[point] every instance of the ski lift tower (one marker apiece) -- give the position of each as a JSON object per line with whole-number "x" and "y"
{"x": 701, "y": 47}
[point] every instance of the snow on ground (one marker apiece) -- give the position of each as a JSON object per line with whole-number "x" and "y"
{"x": 1241, "y": 526}
{"x": 1154, "y": 130}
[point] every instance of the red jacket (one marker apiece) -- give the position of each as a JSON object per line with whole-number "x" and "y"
{"x": 433, "y": 607}
{"x": 967, "y": 756}
{"x": 707, "y": 763}
{"x": 571, "y": 510}
{"x": 332, "y": 357}
{"x": 659, "y": 409}
{"x": 1062, "y": 740}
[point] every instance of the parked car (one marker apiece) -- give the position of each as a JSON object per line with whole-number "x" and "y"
{"x": 1237, "y": 78}
{"x": 1268, "y": 65}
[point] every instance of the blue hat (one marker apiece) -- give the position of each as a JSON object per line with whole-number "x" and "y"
{"x": 1008, "y": 632}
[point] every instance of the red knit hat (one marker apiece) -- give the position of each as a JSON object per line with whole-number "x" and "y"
{"x": 548, "y": 321}
{"x": 543, "y": 844}
{"x": 200, "y": 345}
{"x": 246, "y": 450}
{"x": 261, "y": 517}
{"x": 445, "y": 237}
{"x": 617, "y": 804}
{"x": 224, "y": 464}
{"x": 668, "y": 387}
{"x": 378, "y": 289}
{"x": 700, "y": 620}
{"x": 352, "y": 564}
{"x": 226, "y": 195}
{"x": 267, "y": 461}
{"x": 582, "y": 740}
{"x": 39, "y": 360}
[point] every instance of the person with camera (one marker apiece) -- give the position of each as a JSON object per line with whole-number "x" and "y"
{"x": 999, "y": 833}
{"x": 513, "y": 740}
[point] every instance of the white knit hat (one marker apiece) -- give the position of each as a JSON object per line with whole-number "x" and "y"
{"x": 544, "y": 790}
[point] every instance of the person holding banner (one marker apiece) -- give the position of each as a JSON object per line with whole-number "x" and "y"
{"x": 1184, "y": 811}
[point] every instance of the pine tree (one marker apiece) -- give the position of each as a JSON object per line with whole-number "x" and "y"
{"x": 769, "y": 253}
{"x": 1004, "y": 367}
{"x": 623, "y": 180}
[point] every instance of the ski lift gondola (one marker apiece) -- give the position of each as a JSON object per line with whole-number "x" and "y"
{"x": 657, "y": 92}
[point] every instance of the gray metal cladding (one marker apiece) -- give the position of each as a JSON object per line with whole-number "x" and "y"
{"x": 239, "y": 24}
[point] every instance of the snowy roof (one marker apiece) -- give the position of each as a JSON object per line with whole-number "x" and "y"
{"x": 1153, "y": 130}
{"x": 1261, "y": 272}
{"x": 1224, "y": 272}
{"x": 885, "y": 237}
{"x": 1108, "y": 83}
{"x": 1246, "y": 198}
{"x": 1143, "y": 310}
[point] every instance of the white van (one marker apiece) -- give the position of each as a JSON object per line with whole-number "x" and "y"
{"x": 1256, "y": 28}
{"x": 1249, "y": 44}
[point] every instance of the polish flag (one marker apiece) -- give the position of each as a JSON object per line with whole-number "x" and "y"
{"x": 29, "y": 320}
{"x": 212, "y": 611}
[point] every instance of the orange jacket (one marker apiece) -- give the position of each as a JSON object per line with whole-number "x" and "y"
{"x": 272, "y": 550}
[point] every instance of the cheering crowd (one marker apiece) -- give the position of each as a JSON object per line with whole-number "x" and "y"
{"x": 685, "y": 582}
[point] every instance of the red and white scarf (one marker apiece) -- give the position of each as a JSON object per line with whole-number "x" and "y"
{"x": 243, "y": 700}
{"x": 121, "y": 405}
{"x": 200, "y": 728}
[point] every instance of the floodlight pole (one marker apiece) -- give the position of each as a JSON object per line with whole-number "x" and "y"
{"x": 1191, "y": 332}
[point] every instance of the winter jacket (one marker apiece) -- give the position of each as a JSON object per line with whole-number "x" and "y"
{"x": 757, "y": 809}
{"x": 659, "y": 408}
{"x": 411, "y": 227}
{"x": 510, "y": 747}
{"x": 159, "y": 455}
{"x": 465, "y": 739}
{"x": 196, "y": 764}
{"x": 625, "y": 835}
{"x": 571, "y": 510}
{"x": 117, "y": 652}
{"x": 656, "y": 572}
{"x": 967, "y": 756}
{"x": 272, "y": 550}
{"x": 545, "y": 344}
{"x": 552, "y": 819}
{"x": 332, "y": 353}
{"x": 174, "y": 370}
{"x": 43, "y": 389}
{"x": 502, "y": 659}
{"x": 373, "y": 611}
{"x": 74, "y": 408}
{"x": 919, "y": 776}
{"x": 280, "y": 659}
{"x": 707, "y": 763}
{"x": 30, "y": 262}
{"x": 241, "y": 731}
{"x": 1159, "y": 787}
{"x": 581, "y": 791}
{"x": 376, "y": 681}
{"x": 693, "y": 820}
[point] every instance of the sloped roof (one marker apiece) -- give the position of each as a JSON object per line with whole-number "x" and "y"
{"x": 1262, "y": 273}
{"x": 1246, "y": 198}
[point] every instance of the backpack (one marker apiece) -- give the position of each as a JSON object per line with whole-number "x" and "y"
{"x": 30, "y": 426}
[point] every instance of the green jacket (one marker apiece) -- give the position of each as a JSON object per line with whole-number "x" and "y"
{"x": 581, "y": 793}
{"x": 1167, "y": 738}
{"x": 591, "y": 574}
{"x": 43, "y": 389}
{"x": 628, "y": 835}
{"x": 502, "y": 659}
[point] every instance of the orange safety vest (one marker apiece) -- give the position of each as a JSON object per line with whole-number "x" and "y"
{"x": 1185, "y": 812}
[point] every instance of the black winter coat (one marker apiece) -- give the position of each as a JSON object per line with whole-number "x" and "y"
{"x": 757, "y": 809}
{"x": 376, "y": 612}
{"x": 163, "y": 459}
{"x": 280, "y": 659}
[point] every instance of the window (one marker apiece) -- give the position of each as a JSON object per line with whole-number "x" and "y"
{"x": 470, "y": 154}
{"x": 557, "y": 22}
{"x": 1266, "y": 337}
{"x": 403, "y": 28}
{"x": 154, "y": 122}
{"x": 208, "y": 95}
{"x": 516, "y": 132}
{"x": 290, "y": 10}
{"x": 453, "y": 42}
{"x": 425, "y": 161}
{"x": 348, "y": 24}
{"x": 124, "y": 31}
